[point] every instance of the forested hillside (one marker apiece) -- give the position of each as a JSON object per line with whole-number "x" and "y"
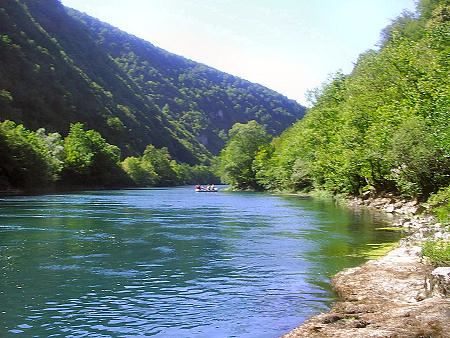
{"x": 58, "y": 66}
{"x": 201, "y": 99}
{"x": 383, "y": 128}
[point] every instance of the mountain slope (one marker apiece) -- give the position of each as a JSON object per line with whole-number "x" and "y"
{"x": 384, "y": 128}
{"x": 59, "y": 66}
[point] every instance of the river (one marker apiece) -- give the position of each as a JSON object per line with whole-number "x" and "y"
{"x": 169, "y": 262}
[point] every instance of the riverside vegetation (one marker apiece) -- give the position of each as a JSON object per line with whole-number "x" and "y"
{"x": 148, "y": 117}
{"x": 384, "y": 128}
{"x": 59, "y": 66}
{"x": 39, "y": 160}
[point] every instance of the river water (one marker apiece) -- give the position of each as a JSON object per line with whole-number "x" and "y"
{"x": 172, "y": 262}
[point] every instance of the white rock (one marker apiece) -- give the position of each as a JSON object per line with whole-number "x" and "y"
{"x": 439, "y": 281}
{"x": 390, "y": 208}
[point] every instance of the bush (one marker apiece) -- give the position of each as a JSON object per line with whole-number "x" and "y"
{"x": 438, "y": 252}
{"x": 156, "y": 168}
{"x": 90, "y": 160}
{"x": 29, "y": 159}
{"x": 237, "y": 158}
{"x": 440, "y": 204}
{"x": 142, "y": 173}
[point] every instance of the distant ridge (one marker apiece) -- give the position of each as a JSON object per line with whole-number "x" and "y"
{"x": 58, "y": 66}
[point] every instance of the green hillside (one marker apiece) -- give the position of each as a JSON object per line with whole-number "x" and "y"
{"x": 58, "y": 66}
{"x": 384, "y": 128}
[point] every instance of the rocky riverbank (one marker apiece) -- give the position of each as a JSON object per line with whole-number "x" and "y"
{"x": 398, "y": 295}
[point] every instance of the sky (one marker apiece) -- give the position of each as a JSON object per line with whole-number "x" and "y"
{"x": 290, "y": 46}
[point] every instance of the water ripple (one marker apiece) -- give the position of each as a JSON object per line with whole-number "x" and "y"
{"x": 171, "y": 263}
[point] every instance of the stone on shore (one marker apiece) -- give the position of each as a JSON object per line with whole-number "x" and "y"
{"x": 398, "y": 295}
{"x": 438, "y": 283}
{"x": 382, "y": 298}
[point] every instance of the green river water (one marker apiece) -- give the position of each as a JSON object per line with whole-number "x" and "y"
{"x": 170, "y": 262}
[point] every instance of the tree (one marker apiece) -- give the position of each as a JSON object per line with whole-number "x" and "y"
{"x": 29, "y": 159}
{"x": 419, "y": 169}
{"x": 383, "y": 128}
{"x": 90, "y": 160}
{"x": 141, "y": 172}
{"x": 160, "y": 160}
{"x": 236, "y": 159}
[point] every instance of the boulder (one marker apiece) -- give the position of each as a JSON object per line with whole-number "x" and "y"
{"x": 389, "y": 208}
{"x": 438, "y": 283}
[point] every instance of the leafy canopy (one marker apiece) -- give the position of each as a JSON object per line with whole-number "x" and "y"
{"x": 236, "y": 159}
{"x": 383, "y": 128}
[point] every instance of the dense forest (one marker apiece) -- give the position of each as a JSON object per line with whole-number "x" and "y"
{"x": 59, "y": 67}
{"x": 384, "y": 128}
{"x": 41, "y": 161}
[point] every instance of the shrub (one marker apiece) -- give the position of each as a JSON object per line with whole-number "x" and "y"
{"x": 90, "y": 160}
{"x": 440, "y": 204}
{"x": 437, "y": 251}
{"x": 28, "y": 159}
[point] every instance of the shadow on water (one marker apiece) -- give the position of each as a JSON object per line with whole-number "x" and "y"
{"x": 171, "y": 263}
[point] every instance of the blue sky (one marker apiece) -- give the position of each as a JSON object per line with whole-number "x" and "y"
{"x": 287, "y": 45}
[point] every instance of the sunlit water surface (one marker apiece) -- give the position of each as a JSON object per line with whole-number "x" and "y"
{"x": 172, "y": 262}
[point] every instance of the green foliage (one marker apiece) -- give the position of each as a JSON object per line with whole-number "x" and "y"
{"x": 440, "y": 204}
{"x": 160, "y": 160}
{"x": 5, "y": 39}
{"x": 194, "y": 121}
{"x": 141, "y": 172}
{"x": 37, "y": 161}
{"x": 155, "y": 168}
{"x": 130, "y": 91}
{"x": 263, "y": 168}
{"x": 29, "y": 160}
{"x": 197, "y": 174}
{"x": 416, "y": 159}
{"x": 90, "y": 160}
{"x": 55, "y": 145}
{"x": 238, "y": 156}
{"x": 437, "y": 251}
{"x": 116, "y": 124}
{"x": 383, "y": 128}
{"x": 200, "y": 174}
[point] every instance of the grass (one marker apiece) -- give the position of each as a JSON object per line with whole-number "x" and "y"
{"x": 439, "y": 204}
{"x": 437, "y": 252}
